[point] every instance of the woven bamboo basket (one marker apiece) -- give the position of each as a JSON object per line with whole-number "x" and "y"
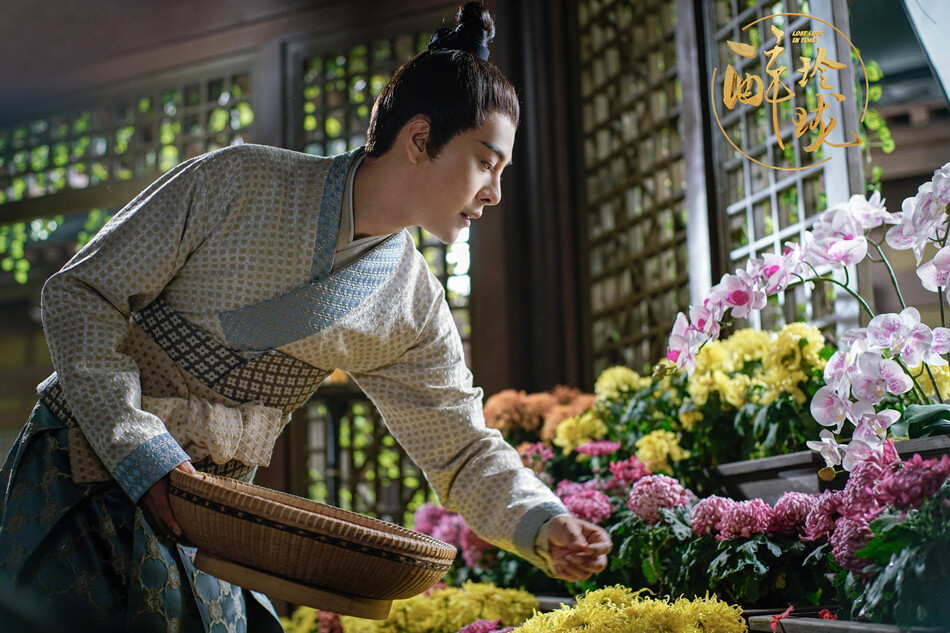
{"x": 297, "y": 549}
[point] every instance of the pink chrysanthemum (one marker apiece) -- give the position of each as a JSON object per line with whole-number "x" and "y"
{"x": 745, "y": 518}
{"x": 536, "y": 455}
{"x": 849, "y": 537}
{"x": 439, "y": 523}
{"x": 589, "y": 504}
{"x": 707, "y": 513}
{"x": 329, "y": 622}
{"x": 790, "y": 512}
{"x": 860, "y": 498}
{"x": 566, "y": 487}
{"x": 653, "y": 492}
{"x": 625, "y": 473}
{"x": 598, "y": 448}
{"x": 485, "y": 626}
{"x": 474, "y": 548}
{"x": 909, "y": 486}
{"x": 820, "y": 521}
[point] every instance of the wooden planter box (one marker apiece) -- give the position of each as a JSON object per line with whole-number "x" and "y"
{"x": 770, "y": 477}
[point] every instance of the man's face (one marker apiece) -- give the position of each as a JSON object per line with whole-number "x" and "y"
{"x": 465, "y": 177}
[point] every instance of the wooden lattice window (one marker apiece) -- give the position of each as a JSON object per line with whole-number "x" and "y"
{"x": 633, "y": 178}
{"x": 763, "y": 207}
{"x": 334, "y": 84}
{"x": 57, "y": 163}
{"x": 352, "y": 461}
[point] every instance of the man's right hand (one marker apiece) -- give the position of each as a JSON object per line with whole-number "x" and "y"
{"x": 156, "y": 504}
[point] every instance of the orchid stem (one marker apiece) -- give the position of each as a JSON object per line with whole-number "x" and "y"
{"x": 918, "y": 390}
{"x": 890, "y": 271}
{"x": 856, "y": 296}
{"x": 940, "y": 299}
{"x": 933, "y": 381}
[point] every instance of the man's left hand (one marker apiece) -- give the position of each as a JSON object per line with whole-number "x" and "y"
{"x": 578, "y": 548}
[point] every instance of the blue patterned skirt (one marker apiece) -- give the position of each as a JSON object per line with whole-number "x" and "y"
{"x": 85, "y": 552}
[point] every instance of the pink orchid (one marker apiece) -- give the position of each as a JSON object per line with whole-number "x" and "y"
{"x": 869, "y": 212}
{"x": 684, "y": 344}
{"x": 878, "y": 376}
{"x": 934, "y": 274}
{"x": 706, "y": 318}
{"x": 828, "y": 448}
{"x": 741, "y": 293}
{"x": 872, "y": 428}
{"x": 855, "y": 452}
{"x": 778, "y": 270}
{"x": 838, "y": 371}
{"x": 830, "y": 409}
{"x": 920, "y": 220}
{"x": 837, "y": 239}
{"x": 902, "y": 335}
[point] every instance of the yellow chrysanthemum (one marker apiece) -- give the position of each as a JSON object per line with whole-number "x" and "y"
{"x": 778, "y": 380}
{"x": 618, "y": 609}
{"x": 449, "y": 609}
{"x": 578, "y": 430}
{"x": 811, "y": 352}
{"x": 713, "y": 355}
{"x": 658, "y": 448}
{"x": 732, "y": 389}
{"x": 699, "y": 388}
{"x": 615, "y": 381}
{"x": 745, "y": 346}
{"x": 688, "y": 419}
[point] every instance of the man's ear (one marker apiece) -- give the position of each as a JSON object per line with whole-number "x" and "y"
{"x": 417, "y": 137}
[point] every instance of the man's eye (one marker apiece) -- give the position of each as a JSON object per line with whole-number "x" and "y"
{"x": 487, "y": 165}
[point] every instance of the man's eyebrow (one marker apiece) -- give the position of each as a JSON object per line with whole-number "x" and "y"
{"x": 500, "y": 152}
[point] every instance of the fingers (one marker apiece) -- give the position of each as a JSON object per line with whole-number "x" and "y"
{"x": 159, "y": 510}
{"x": 575, "y": 566}
{"x": 187, "y": 467}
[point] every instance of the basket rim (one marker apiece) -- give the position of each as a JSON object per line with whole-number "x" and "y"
{"x": 350, "y": 525}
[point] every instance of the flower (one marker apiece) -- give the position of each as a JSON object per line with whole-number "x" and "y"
{"x": 934, "y": 274}
{"x": 684, "y": 343}
{"x": 438, "y": 522}
{"x": 878, "y": 376}
{"x": 588, "y": 504}
{"x": 790, "y": 512}
{"x": 902, "y": 335}
{"x": 484, "y": 626}
{"x": 778, "y": 270}
{"x": 706, "y": 514}
{"x": 820, "y": 520}
{"x": 614, "y": 381}
{"x": 828, "y": 447}
{"x": 830, "y": 409}
{"x": 474, "y": 548}
{"x": 741, "y": 293}
{"x": 869, "y": 213}
{"x": 598, "y": 448}
{"x": 910, "y": 486}
{"x": 745, "y": 518}
{"x": 625, "y": 473}
{"x": 653, "y": 492}
{"x": 657, "y": 448}
{"x": 848, "y": 538}
{"x": 578, "y": 430}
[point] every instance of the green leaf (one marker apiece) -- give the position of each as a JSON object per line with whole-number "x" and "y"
{"x": 926, "y": 420}
{"x": 874, "y": 71}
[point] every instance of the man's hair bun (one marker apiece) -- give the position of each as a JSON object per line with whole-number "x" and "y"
{"x": 474, "y": 32}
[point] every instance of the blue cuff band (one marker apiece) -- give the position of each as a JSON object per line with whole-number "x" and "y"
{"x": 147, "y": 464}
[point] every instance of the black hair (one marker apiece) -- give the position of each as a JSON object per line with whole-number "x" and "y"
{"x": 449, "y": 83}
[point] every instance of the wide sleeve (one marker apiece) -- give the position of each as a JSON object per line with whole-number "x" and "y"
{"x": 86, "y": 308}
{"x": 432, "y": 409}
